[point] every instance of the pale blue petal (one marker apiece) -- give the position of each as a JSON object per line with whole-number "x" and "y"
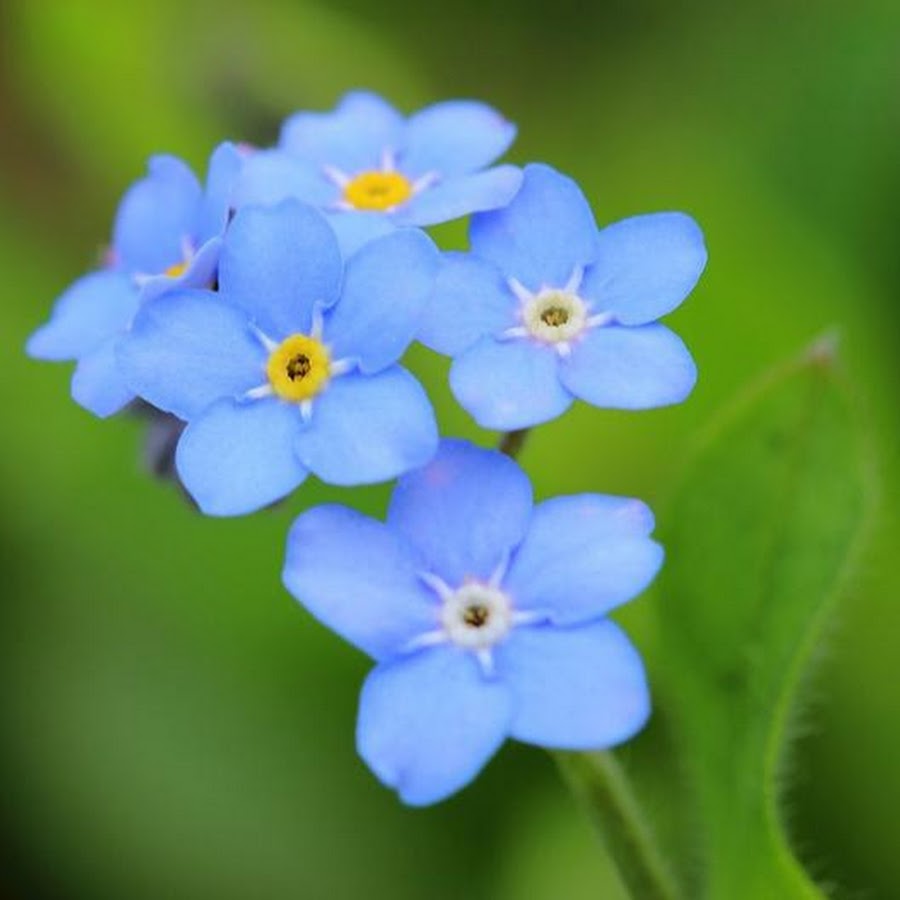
{"x": 189, "y": 349}
{"x": 359, "y": 579}
{"x": 583, "y": 556}
{"x": 470, "y": 300}
{"x": 199, "y": 273}
{"x": 429, "y": 723}
{"x": 352, "y": 138}
{"x": 156, "y": 216}
{"x": 369, "y": 428}
{"x": 239, "y": 457}
{"x": 454, "y": 138}
{"x": 93, "y": 309}
{"x": 461, "y": 195}
{"x": 544, "y": 235}
{"x": 270, "y": 176}
{"x": 464, "y": 512}
{"x": 387, "y": 284}
{"x": 97, "y": 383}
{"x": 355, "y": 229}
{"x": 645, "y": 267}
{"x": 509, "y": 384}
{"x": 278, "y": 264}
{"x": 574, "y": 688}
{"x": 630, "y": 368}
{"x": 218, "y": 196}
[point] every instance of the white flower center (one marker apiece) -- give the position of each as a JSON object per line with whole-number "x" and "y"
{"x": 555, "y": 316}
{"x": 476, "y": 615}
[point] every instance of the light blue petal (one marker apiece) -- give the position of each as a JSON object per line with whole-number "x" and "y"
{"x": 546, "y": 233}
{"x": 574, "y": 688}
{"x": 645, "y": 267}
{"x": 189, "y": 349}
{"x": 355, "y": 229}
{"x": 156, "y": 216}
{"x": 359, "y": 579}
{"x": 509, "y": 384}
{"x": 270, "y": 176}
{"x": 464, "y": 512}
{"x": 278, "y": 264}
{"x": 93, "y": 309}
{"x": 470, "y": 300}
{"x": 583, "y": 556}
{"x": 352, "y": 138}
{"x": 369, "y": 428}
{"x": 200, "y": 273}
{"x": 218, "y": 196}
{"x": 239, "y": 457}
{"x": 630, "y": 368}
{"x": 459, "y": 196}
{"x": 454, "y": 138}
{"x": 429, "y": 723}
{"x": 97, "y": 383}
{"x": 387, "y": 284}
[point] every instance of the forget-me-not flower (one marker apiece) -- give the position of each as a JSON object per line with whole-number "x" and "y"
{"x": 166, "y": 236}
{"x": 485, "y": 616}
{"x": 364, "y": 157}
{"x": 546, "y": 308}
{"x": 291, "y": 366}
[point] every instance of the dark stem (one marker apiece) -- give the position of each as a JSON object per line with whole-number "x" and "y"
{"x": 513, "y": 441}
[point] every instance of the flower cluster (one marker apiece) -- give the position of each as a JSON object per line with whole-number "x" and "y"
{"x": 268, "y": 310}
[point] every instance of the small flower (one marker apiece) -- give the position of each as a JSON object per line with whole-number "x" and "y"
{"x": 291, "y": 366}
{"x": 365, "y": 158}
{"x": 166, "y": 236}
{"x": 485, "y": 616}
{"x": 546, "y": 309}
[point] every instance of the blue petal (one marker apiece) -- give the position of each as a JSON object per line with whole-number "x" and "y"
{"x": 93, "y": 309}
{"x": 464, "y": 512}
{"x": 630, "y": 368}
{"x": 359, "y": 579}
{"x": 239, "y": 457}
{"x": 97, "y": 383}
{"x": 470, "y": 300}
{"x": 509, "y": 384}
{"x": 461, "y": 195}
{"x": 454, "y": 138}
{"x": 352, "y": 138}
{"x": 218, "y": 197}
{"x": 270, "y": 176}
{"x": 429, "y": 723}
{"x": 583, "y": 556}
{"x": 278, "y": 264}
{"x": 189, "y": 349}
{"x": 544, "y": 235}
{"x": 355, "y": 229}
{"x": 199, "y": 273}
{"x": 156, "y": 216}
{"x": 574, "y": 688}
{"x": 369, "y": 428}
{"x": 645, "y": 267}
{"x": 386, "y": 286}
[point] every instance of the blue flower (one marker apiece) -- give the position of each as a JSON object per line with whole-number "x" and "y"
{"x": 366, "y": 158}
{"x": 485, "y": 616}
{"x": 546, "y": 309}
{"x": 291, "y": 366}
{"x": 166, "y": 236}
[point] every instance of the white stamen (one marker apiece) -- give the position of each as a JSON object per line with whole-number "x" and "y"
{"x": 257, "y": 393}
{"x": 574, "y": 282}
{"x": 268, "y": 344}
{"x": 318, "y": 321}
{"x": 424, "y": 181}
{"x": 426, "y": 639}
{"x": 528, "y": 617}
{"x": 485, "y": 657}
{"x": 518, "y": 331}
{"x": 499, "y": 572}
{"x": 437, "y": 584}
{"x": 341, "y": 366}
{"x": 563, "y": 349}
{"x": 187, "y": 249}
{"x": 388, "y": 160}
{"x": 343, "y": 206}
{"x": 522, "y": 293}
{"x": 306, "y": 410}
{"x": 336, "y": 176}
{"x": 598, "y": 320}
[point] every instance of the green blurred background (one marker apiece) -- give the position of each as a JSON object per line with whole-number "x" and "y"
{"x": 173, "y": 725}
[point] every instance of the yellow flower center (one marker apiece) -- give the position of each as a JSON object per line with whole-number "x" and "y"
{"x": 378, "y": 190}
{"x": 298, "y": 368}
{"x": 177, "y": 269}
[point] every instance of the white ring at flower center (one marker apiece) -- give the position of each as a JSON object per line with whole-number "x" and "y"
{"x": 555, "y": 316}
{"x": 476, "y": 615}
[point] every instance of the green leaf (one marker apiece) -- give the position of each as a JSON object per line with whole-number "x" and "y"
{"x": 759, "y": 539}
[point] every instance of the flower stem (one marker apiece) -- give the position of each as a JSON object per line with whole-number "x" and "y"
{"x": 599, "y": 782}
{"x": 512, "y": 442}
